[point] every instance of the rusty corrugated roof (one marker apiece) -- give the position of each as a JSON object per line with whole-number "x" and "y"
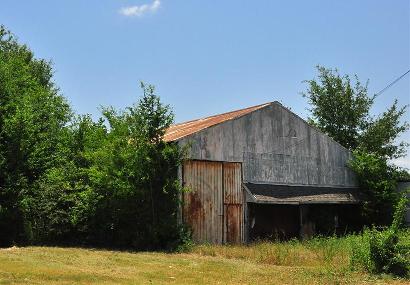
{"x": 178, "y": 131}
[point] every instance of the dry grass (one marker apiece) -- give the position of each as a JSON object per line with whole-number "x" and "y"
{"x": 317, "y": 261}
{"x": 262, "y": 263}
{"x": 318, "y": 252}
{"x": 328, "y": 253}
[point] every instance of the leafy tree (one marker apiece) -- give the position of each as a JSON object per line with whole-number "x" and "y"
{"x": 138, "y": 172}
{"x": 378, "y": 181}
{"x": 70, "y": 180}
{"x": 32, "y": 119}
{"x": 64, "y": 201}
{"x": 118, "y": 186}
{"x": 341, "y": 108}
{"x": 382, "y": 132}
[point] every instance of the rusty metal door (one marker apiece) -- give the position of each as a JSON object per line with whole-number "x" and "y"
{"x": 214, "y": 206}
{"x": 233, "y": 203}
{"x": 203, "y": 205}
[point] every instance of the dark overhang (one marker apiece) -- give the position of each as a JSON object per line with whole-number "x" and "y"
{"x": 300, "y": 194}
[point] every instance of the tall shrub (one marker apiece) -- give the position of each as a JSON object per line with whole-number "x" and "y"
{"x": 378, "y": 182}
{"x": 380, "y": 251}
{"x": 136, "y": 178}
{"x": 118, "y": 186}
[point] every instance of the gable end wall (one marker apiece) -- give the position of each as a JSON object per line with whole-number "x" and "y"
{"x": 275, "y": 146}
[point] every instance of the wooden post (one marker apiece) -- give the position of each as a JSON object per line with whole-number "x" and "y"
{"x": 300, "y": 222}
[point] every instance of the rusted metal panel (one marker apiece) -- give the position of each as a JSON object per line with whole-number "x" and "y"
{"x": 214, "y": 206}
{"x": 233, "y": 203}
{"x": 203, "y": 205}
{"x": 232, "y": 183}
{"x": 179, "y": 131}
{"x": 234, "y": 223}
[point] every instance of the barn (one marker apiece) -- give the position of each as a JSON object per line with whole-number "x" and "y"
{"x": 263, "y": 173}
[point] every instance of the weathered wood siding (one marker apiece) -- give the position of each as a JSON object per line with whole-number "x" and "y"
{"x": 274, "y": 146}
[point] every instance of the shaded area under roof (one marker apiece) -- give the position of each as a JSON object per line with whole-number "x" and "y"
{"x": 178, "y": 131}
{"x": 289, "y": 194}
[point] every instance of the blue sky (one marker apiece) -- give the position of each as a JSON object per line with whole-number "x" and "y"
{"x": 208, "y": 57}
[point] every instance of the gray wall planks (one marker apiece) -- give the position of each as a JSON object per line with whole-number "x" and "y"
{"x": 275, "y": 146}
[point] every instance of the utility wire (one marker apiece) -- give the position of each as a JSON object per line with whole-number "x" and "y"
{"x": 391, "y": 84}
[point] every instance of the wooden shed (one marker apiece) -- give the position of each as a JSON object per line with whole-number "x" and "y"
{"x": 262, "y": 172}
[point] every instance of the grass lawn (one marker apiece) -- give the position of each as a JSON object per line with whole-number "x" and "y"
{"x": 319, "y": 261}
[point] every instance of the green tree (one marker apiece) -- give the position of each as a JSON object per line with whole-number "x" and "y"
{"x": 381, "y": 134}
{"x": 66, "y": 179}
{"x": 64, "y": 202}
{"x": 340, "y": 107}
{"x": 378, "y": 181}
{"x": 32, "y": 120}
{"x": 137, "y": 177}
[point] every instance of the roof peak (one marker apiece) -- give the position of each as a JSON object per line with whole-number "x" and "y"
{"x": 184, "y": 129}
{"x": 256, "y": 107}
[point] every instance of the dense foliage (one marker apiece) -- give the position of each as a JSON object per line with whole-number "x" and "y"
{"x": 32, "y": 120}
{"x": 341, "y": 108}
{"x": 67, "y": 179}
{"x": 379, "y": 251}
{"x": 378, "y": 181}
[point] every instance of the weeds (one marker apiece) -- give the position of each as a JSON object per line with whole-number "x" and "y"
{"x": 334, "y": 255}
{"x": 380, "y": 251}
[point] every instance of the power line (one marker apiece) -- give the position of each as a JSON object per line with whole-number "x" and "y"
{"x": 391, "y": 84}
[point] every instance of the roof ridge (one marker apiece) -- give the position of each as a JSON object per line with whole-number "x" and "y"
{"x": 226, "y": 113}
{"x": 180, "y": 130}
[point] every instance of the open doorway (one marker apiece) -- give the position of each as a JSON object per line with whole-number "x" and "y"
{"x": 284, "y": 222}
{"x": 273, "y": 222}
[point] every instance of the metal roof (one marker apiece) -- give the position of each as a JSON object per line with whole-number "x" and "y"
{"x": 301, "y": 194}
{"x": 178, "y": 131}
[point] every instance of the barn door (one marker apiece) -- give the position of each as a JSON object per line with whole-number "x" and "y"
{"x": 203, "y": 205}
{"x": 233, "y": 203}
{"x": 214, "y": 206}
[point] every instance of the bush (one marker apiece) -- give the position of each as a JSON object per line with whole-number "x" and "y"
{"x": 184, "y": 241}
{"x": 387, "y": 255}
{"x": 378, "y": 182}
{"x": 379, "y": 251}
